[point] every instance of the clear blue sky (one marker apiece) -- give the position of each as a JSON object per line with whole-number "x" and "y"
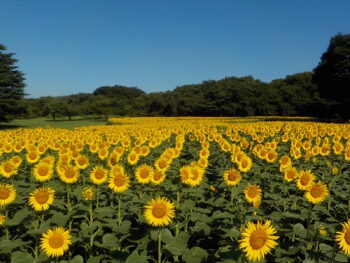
{"x": 71, "y": 46}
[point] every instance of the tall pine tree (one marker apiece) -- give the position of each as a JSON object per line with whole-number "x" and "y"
{"x": 11, "y": 86}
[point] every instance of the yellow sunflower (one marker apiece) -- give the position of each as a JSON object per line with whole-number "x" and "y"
{"x": 32, "y": 157}
{"x": 8, "y": 168}
{"x": 185, "y": 174}
{"x": 161, "y": 164}
{"x": 258, "y": 240}
{"x": 7, "y": 194}
{"x": 253, "y": 193}
{"x": 317, "y": 193}
{"x": 42, "y": 171}
{"x": 41, "y": 198}
{"x": 69, "y": 175}
{"x": 55, "y": 242}
{"x": 98, "y": 175}
{"x": 343, "y": 238}
{"x": 2, "y": 219}
{"x": 159, "y": 212}
{"x": 245, "y": 164}
{"x": 158, "y": 177}
{"x": 133, "y": 158}
{"x": 232, "y": 177}
{"x": 290, "y": 174}
{"x": 82, "y": 162}
{"x": 271, "y": 156}
{"x": 119, "y": 183}
{"x": 144, "y": 173}
{"x": 305, "y": 180}
{"x": 88, "y": 194}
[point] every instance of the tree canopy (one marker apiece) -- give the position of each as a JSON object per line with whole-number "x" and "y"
{"x": 11, "y": 86}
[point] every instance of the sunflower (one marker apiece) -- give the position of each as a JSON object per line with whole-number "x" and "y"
{"x": 290, "y": 174}
{"x": 32, "y": 157}
{"x": 252, "y": 193}
{"x": 317, "y": 193}
{"x": 98, "y": 175}
{"x": 55, "y": 242}
{"x": 185, "y": 174}
{"x": 119, "y": 183}
{"x": 245, "y": 164}
{"x": 196, "y": 175}
{"x": 285, "y": 162}
{"x": 305, "y": 180}
{"x": 271, "y": 156}
{"x": 144, "y": 173}
{"x": 42, "y": 171}
{"x": 232, "y": 177}
{"x": 161, "y": 164}
{"x": 159, "y": 212}
{"x": 69, "y": 175}
{"x": 158, "y": 177}
{"x": 8, "y": 168}
{"x": 103, "y": 153}
{"x": 88, "y": 194}
{"x": 82, "y": 162}
{"x": 2, "y": 219}
{"x": 343, "y": 238}
{"x": 41, "y": 198}
{"x": 258, "y": 240}
{"x": 133, "y": 158}
{"x": 7, "y": 194}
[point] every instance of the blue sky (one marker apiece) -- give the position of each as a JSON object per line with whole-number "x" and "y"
{"x": 70, "y": 46}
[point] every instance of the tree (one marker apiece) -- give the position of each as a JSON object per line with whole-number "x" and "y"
{"x": 11, "y": 86}
{"x": 332, "y": 75}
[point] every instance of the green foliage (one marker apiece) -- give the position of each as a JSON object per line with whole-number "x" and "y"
{"x": 332, "y": 75}
{"x": 11, "y": 86}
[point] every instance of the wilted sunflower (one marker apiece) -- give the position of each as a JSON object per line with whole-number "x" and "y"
{"x": 159, "y": 211}
{"x": 253, "y": 193}
{"x": 98, "y": 175}
{"x": 317, "y": 193}
{"x": 305, "y": 180}
{"x": 7, "y": 194}
{"x": 258, "y": 240}
{"x": 42, "y": 171}
{"x": 119, "y": 183}
{"x": 232, "y": 177}
{"x": 55, "y": 242}
{"x": 343, "y": 238}
{"x": 41, "y": 198}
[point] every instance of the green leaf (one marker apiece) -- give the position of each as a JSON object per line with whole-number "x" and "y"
{"x": 299, "y": 230}
{"x": 176, "y": 246}
{"x": 136, "y": 258}
{"x": 19, "y": 217}
{"x": 110, "y": 241}
{"x": 199, "y": 226}
{"x": 340, "y": 258}
{"x": 325, "y": 248}
{"x": 60, "y": 219}
{"x": 77, "y": 259}
{"x": 6, "y": 246}
{"x": 124, "y": 227}
{"x": 21, "y": 257}
{"x": 233, "y": 233}
{"x": 194, "y": 255}
{"x": 95, "y": 259}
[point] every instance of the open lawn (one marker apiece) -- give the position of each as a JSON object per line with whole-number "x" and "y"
{"x": 45, "y": 122}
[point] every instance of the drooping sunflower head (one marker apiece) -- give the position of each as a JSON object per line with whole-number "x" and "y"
{"x": 317, "y": 193}
{"x": 253, "y": 193}
{"x": 55, "y": 242}
{"x": 119, "y": 183}
{"x": 41, "y": 198}
{"x": 232, "y": 177}
{"x": 305, "y": 180}
{"x": 258, "y": 240}
{"x": 343, "y": 238}
{"x": 98, "y": 175}
{"x": 159, "y": 212}
{"x": 7, "y": 194}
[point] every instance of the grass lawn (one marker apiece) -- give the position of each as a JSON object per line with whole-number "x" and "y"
{"x": 45, "y": 122}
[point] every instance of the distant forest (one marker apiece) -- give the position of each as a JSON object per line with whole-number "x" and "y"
{"x": 295, "y": 95}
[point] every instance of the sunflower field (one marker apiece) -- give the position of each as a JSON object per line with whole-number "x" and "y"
{"x": 176, "y": 190}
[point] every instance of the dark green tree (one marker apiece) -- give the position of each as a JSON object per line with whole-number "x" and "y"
{"x": 11, "y": 86}
{"x": 332, "y": 75}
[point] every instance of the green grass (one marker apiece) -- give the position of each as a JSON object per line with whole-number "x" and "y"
{"x": 45, "y": 122}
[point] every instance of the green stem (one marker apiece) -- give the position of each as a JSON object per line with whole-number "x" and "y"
{"x": 6, "y": 229}
{"x": 308, "y": 222}
{"x": 232, "y": 194}
{"x": 68, "y": 198}
{"x": 159, "y": 247}
{"x": 97, "y": 196}
{"x": 91, "y": 214}
{"x": 119, "y": 213}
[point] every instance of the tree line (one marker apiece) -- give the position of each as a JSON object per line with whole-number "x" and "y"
{"x": 323, "y": 92}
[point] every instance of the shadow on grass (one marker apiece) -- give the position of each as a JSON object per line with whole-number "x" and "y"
{"x": 73, "y": 120}
{"x": 10, "y": 126}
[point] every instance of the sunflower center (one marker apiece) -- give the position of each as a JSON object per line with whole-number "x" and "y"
{"x": 56, "y": 241}
{"x": 257, "y": 239}
{"x": 304, "y": 180}
{"x": 8, "y": 167}
{"x": 162, "y": 164}
{"x": 144, "y": 173}
{"x": 232, "y": 177}
{"x": 32, "y": 156}
{"x": 69, "y": 173}
{"x": 347, "y": 236}
{"x": 316, "y": 191}
{"x": 42, "y": 197}
{"x": 253, "y": 192}
{"x": 81, "y": 161}
{"x": 244, "y": 163}
{"x": 195, "y": 175}
{"x": 113, "y": 161}
{"x": 132, "y": 157}
{"x": 291, "y": 174}
{"x": 99, "y": 174}
{"x": 4, "y": 193}
{"x": 119, "y": 181}
{"x": 157, "y": 176}
{"x": 159, "y": 211}
{"x": 43, "y": 170}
